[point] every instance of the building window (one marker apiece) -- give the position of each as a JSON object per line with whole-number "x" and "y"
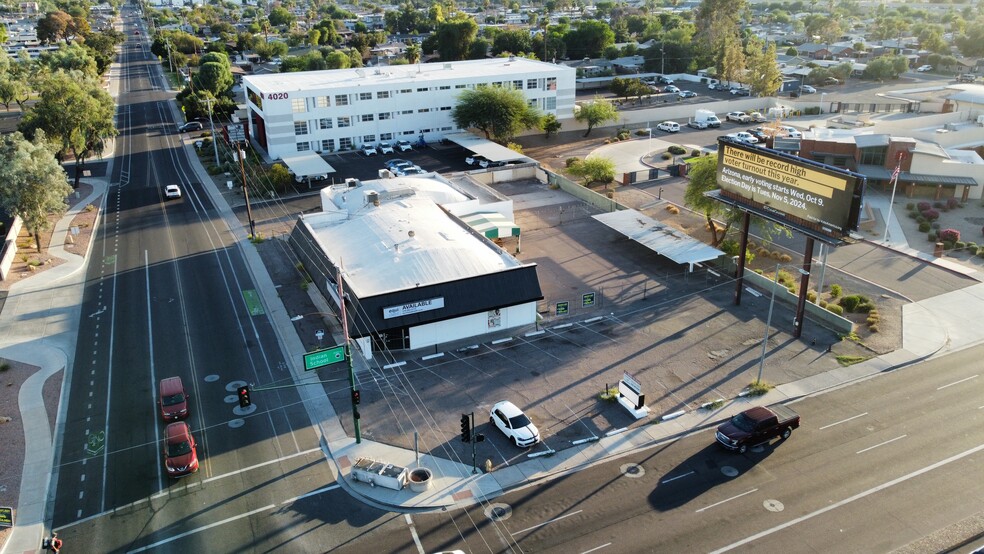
{"x": 445, "y": 108}
{"x": 445, "y": 87}
{"x": 518, "y": 85}
{"x": 298, "y": 105}
{"x": 550, "y": 103}
{"x": 531, "y": 83}
{"x": 369, "y": 138}
{"x": 328, "y": 145}
{"x": 367, "y": 117}
{"x": 497, "y": 84}
{"x": 321, "y": 101}
{"x": 551, "y": 83}
{"x": 838, "y": 161}
{"x": 300, "y": 128}
{"x": 303, "y": 146}
{"x": 425, "y": 130}
{"x": 344, "y": 122}
{"x": 365, "y": 96}
{"x": 874, "y": 155}
{"x": 532, "y": 102}
{"x": 446, "y": 128}
{"x": 406, "y": 112}
{"x": 324, "y": 123}
{"x": 383, "y": 94}
{"x": 341, "y": 100}
{"x": 385, "y": 115}
{"x": 423, "y": 110}
{"x": 404, "y": 133}
{"x": 423, "y": 89}
{"x": 405, "y": 91}
{"x": 345, "y": 144}
{"x": 386, "y": 136}
{"x": 459, "y": 86}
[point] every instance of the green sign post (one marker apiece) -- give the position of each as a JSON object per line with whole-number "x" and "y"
{"x": 321, "y": 358}
{"x": 588, "y": 300}
{"x": 563, "y": 308}
{"x": 6, "y": 516}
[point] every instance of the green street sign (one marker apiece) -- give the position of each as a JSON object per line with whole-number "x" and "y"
{"x": 321, "y": 358}
{"x": 6, "y": 516}
{"x": 563, "y": 308}
{"x": 588, "y": 300}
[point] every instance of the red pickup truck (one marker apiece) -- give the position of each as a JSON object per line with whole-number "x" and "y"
{"x": 756, "y": 426}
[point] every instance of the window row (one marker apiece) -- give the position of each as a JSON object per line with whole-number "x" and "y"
{"x": 349, "y": 143}
{"x": 325, "y": 123}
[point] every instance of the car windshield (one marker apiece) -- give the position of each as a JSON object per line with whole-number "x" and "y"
{"x": 519, "y": 421}
{"x": 173, "y": 399}
{"x": 178, "y": 448}
{"x": 742, "y": 422}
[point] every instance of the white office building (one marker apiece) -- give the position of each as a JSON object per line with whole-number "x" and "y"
{"x": 343, "y": 109}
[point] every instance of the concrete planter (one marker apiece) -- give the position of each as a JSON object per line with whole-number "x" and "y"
{"x": 420, "y": 479}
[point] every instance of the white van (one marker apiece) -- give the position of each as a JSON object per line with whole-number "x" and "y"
{"x": 669, "y": 126}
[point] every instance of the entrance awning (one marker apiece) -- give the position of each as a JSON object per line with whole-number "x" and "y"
{"x": 308, "y": 165}
{"x": 485, "y": 148}
{"x": 659, "y": 237}
{"x": 492, "y": 225}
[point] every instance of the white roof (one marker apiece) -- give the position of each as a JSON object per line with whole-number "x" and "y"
{"x": 304, "y": 165}
{"x": 659, "y": 237}
{"x": 405, "y": 242}
{"x": 485, "y": 148}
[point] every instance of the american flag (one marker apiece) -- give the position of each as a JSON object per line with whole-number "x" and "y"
{"x": 895, "y": 174}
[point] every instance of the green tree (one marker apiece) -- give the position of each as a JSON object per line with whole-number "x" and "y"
{"x": 70, "y": 57}
{"x": 498, "y": 112}
{"x": 280, "y": 17}
{"x": 971, "y": 41}
{"x": 764, "y": 75}
{"x": 454, "y": 37}
{"x": 413, "y": 53}
{"x": 54, "y": 26}
{"x": 551, "y": 124}
{"x": 718, "y": 23}
{"x": 32, "y": 182}
{"x": 338, "y": 60}
{"x": 589, "y": 39}
{"x": 703, "y": 178}
{"x": 593, "y": 170}
{"x": 886, "y": 67}
{"x": 731, "y": 66}
{"x": 512, "y": 42}
{"x": 595, "y": 113}
{"x": 213, "y": 77}
{"x": 270, "y": 50}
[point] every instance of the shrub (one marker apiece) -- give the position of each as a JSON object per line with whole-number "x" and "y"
{"x": 947, "y": 245}
{"x": 923, "y": 206}
{"x": 642, "y": 133}
{"x": 775, "y": 254}
{"x": 850, "y": 302}
{"x": 758, "y": 388}
{"x": 872, "y": 320}
{"x": 694, "y": 153}
{"x": 823, "y": 304}
{"x": 951, "y": 235}
{"x": 960, "y": 245}
{"x": 952, "y": 203}
{"x": 762, "y": 251}
{"x": 920, "y": 219}
{"x": 914, "y": 215}
{"x": 980, "y": 252}
{"x": 972, "y": 247}
{"x": 873, "y": 328}
{"x": 835, "y": 291}
{"x": 811, "y": 296}
{"x": 931, "y": 215}
{"x": 924, "y": 227}
{"x": 910, "y": 206}
{"x": 673, "y": 209}
{"x": 835, "y": 309}
{"x": 571, "y": 161}
{"x": 676, "y": 150}
{"x": 936, "y": 225}
{"x": 931, "y": 237}
{"x": 666, "y": 156}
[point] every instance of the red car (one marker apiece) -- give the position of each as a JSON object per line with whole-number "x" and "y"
{"x": 180, "y": 455}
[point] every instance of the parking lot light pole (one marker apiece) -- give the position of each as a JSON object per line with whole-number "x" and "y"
{"x": 768, "y": 321}
{"x": 822, "y": 94}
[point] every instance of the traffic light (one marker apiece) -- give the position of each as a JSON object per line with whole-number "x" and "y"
{"x": 465, "y": 428}
{"x": 356, "y": 397}
{"x": 244, "y": 400}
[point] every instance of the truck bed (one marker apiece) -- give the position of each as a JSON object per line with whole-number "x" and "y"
{"x": 783, "y": 413}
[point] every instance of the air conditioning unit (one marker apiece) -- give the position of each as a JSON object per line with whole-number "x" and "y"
{"x": 352, "y": 183}
{"x": 372, "y": 197}
{"x": 385, "y": 174}
{"x": 980, "y": 120}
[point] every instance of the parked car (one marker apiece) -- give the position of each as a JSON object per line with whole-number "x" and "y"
{"x": 713, "y": 85}
{"x": 758, "y": 117}
{"x": 738, "y": 117}
{"x": 669, "y": 126}
{"x": 397, "y": 163}
{"x": 760, "y": 134}
{"x": 385, "y": 148}
{"x": 473, "y": 159}
{"x": 180, "y": 452}
{"x": 744, "y": 136}
{"x": 172, "y": 191}
{"x": 687, "y": 94}
{"x": 739, "y": 91}
{"x": 514, "y": 424}
{"x": 664, "y": 80}
{"x": 190, "y": 126}
{"x": 695, "y": 124}
{"x": 490, "y": 163}
{"x": 790, "y": 132}
{"x": 305, "y": 178}
{"x": 966, "y": 78}
{"x": 369, "y": 150}
{"x": 924, "y": 68}
{"x": 671, "y": 88}
{"x": 404, "y": 145}
{"x": 807, "y": 89}
{"x": 756, "y": 426}
{"x": 831, "y": 81}
{"x": 412, "y": 170}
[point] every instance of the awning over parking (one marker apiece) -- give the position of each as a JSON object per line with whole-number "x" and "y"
{"x": 659, "y": 237}
{"x": 492, "y": 225}
{"x": 485, "y": 148}
{"x": 307, "y": 165}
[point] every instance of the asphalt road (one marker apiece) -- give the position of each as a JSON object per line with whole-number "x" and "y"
{"x": 874, "y": 467}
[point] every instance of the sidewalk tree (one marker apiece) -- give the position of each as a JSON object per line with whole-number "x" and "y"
{"x": 32, "y": 182}
{"x": 593, "y": 170}
{"x": 595, "y": 113}
{"x": 70, "y": 57}
{"x": 214, "y": 77}
{"x": 551, "y": 124}
{"x": 76, "y": 113}
{"x": 498, "y": 112}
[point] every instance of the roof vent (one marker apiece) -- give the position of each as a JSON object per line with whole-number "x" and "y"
{"x": 447, "y": 66}
{"x": 410, "y": 233}
{"x": 353, "y": 183}
{"x": 372, "y": 197}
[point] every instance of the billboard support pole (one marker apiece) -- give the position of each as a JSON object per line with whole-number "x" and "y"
{"x": 804, "y": 284}
{"x": 745, "y": 223}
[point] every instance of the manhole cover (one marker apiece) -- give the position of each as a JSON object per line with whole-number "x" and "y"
{"x": 236, "y": 423}
{"x": 231, "y": 399}
{"x": 211, "y": 378}
{"x": 498, "y": 511}
{"x": 231, "y": 387}
{"x": 633, "y": 470}
{"x": 729, "y": 471}
{"x": 773, "y": 505}
{"x": 244, "y": 411}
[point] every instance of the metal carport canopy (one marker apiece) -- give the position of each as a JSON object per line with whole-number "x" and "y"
{"x": 485, "y": 147}
{"x": 307, "y": 165}
{"x": 659, "y": 237}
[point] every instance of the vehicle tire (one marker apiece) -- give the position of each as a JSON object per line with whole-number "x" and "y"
{"x": 742, "y": 449}
{"x": 492, "y": 420}
{"x": 515, "y": 442}
{"x": 786, "y": 432}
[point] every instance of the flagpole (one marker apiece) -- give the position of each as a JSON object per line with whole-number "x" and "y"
{"x": 891, "y": 202}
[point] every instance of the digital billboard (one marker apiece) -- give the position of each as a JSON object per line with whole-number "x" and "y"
{"x": 803, "y": 192}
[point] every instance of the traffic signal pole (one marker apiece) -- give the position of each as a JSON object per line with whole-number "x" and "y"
{"x": 348, "y": 357}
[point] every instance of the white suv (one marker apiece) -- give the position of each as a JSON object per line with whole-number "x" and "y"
{"x": 385, "y": 148}
{"x": 739, "y": 117}
{"x": 404, "y": 145}
{"x": 369, "y": 150}
{"x": 514, "y": 424}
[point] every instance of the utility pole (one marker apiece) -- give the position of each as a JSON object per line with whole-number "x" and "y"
{"x": 348, "y": 356}
{"x": 211, "y": 125}
{"x": 662, "y": 60}
{"x": 249, "y": 210}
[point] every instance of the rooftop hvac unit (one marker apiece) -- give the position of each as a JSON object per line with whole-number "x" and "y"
{"x": 385, "y": 174}
{"x": 447, "y": 66}
{"x": 980, "y": 120}
{"x": 950, "y": 126}
{"x": 353, "y": 183}
{"x": 372, "y": 197}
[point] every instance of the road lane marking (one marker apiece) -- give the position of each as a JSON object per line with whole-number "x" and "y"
{"x": 881, "y": 444}
{"x": 153, "y": 367}
{"x": 957, "y": 382}
{"x": 664, "y": 481}
{"x": 842, "y": 421}
{"x": 848, "y": 500}
{"x": 726, "y": 500}
{"x": 413, "y": 533}
{"x": 546, "y": 522}
{"x": 607, "y": 544}
{"x": 200, "y": 529}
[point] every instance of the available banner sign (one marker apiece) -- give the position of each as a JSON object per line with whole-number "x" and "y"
{"x": 413, "y": 307}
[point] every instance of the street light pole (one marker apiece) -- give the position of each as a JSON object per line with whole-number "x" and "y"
{"x": 211, "y": 126}
{"x": 822, "y": 94}
{"x": 249, "y": 210}
{"x": 768, "y": 320}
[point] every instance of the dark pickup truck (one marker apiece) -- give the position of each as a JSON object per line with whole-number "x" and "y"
{"x": 757, "y": 425}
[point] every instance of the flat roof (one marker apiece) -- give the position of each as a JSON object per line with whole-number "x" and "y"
{"x": 400, "y": 74}
{"x": 485, "y": 148}
{"x": 659, "y": 237}
{"x": 308, "y": 165}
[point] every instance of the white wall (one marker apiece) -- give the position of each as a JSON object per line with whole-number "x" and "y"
{"x": 476, "y": 325}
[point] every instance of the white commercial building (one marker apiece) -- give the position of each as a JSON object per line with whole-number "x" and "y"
{"x": 344, "y": 109}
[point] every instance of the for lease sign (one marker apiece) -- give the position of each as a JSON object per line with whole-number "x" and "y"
{"x": 789, "y": 186}
{"x": 413, "y": 307}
